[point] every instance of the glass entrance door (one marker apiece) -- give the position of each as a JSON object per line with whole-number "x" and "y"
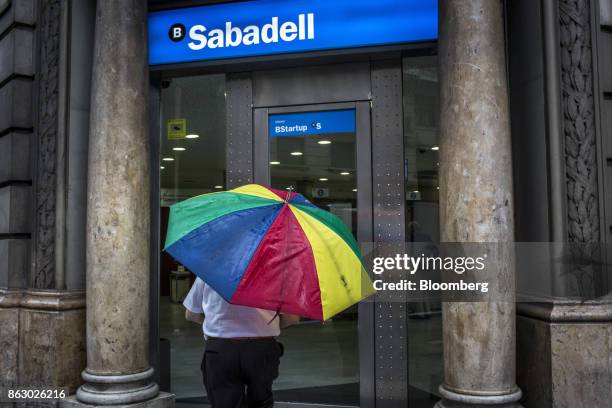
{"x": 321, "y": 152}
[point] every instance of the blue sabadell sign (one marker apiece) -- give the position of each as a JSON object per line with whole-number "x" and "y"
{"x": 267, "y": 27}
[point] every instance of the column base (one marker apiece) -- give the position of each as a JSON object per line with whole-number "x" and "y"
{"x": 563, "y": 352}
{"x": 162, "y": 400}
{"x": 117, "y": 389}
{"x": 451, "y": 399}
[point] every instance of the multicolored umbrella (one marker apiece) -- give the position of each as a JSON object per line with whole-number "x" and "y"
{"x": 269, "y": 249}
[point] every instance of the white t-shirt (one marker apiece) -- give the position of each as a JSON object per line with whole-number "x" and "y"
{"x": 222, "y": 319}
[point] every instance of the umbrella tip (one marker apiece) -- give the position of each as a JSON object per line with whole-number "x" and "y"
{"x": 289, "y": 190}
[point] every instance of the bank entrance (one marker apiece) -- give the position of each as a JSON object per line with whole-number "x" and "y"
{"x": 337, "y": 101}
{"x": 358, "y": 139}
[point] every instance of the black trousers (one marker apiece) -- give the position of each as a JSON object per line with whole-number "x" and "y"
{"x": 239, "y": 373}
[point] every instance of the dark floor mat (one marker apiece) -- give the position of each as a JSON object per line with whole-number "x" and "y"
{"x": 341, "y": 394}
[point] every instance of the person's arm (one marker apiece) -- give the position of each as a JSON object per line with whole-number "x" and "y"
{"x": 194, "y": 317}
{"x": 193, "y": 303}
{"x": 287, "y": 320}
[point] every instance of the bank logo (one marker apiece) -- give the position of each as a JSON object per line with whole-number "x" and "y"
{"x": 177, "y": 32}
{"x": 301, "y": 29}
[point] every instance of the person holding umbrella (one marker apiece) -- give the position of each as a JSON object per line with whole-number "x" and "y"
{"x": 262, "y": 257}
{"x": 242, "y": 356}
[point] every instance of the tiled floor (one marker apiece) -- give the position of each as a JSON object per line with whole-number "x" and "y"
{"x": 321, "y": 360}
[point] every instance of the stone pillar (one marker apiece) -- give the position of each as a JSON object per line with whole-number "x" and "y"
{"x": 118, "y": 236}
{"x": 476, "y": 199}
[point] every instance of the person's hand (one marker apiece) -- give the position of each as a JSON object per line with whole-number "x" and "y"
{"x": 287, "y": 320}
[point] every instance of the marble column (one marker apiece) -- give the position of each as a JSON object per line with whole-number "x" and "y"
{"x": 118, "y": 231}
{"x": 476, "y": 200}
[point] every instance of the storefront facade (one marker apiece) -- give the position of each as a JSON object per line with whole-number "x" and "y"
{"x": 356, "y": 91}
{"x": 437, "y": 116}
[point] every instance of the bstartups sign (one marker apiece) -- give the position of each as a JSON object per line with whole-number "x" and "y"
{"x": 267, "y": 27}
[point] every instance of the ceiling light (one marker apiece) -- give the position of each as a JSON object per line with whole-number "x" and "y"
{"x": 179, "y": 149}
{"x": 344, "y": 173}
{"x": 435, "y": 147}
{"x": 324, "y": 142}
{"x": 354, "y": 190}
{"x": 168, "y": 159}
{"x": 274, "y": 163}
{"x": 296, "y": 153}
{"x": 192, "y": 136}
{"x": 218, "y": 187}
{"x": 323, "y": 179}
{"x": 161, "y": 167}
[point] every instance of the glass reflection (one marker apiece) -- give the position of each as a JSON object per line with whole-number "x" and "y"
{"x": 421, "y": 161}
{"x": 321, "y": 363}
{"x": 192, "y": 162}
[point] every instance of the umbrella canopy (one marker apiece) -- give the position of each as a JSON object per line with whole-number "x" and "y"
{"x": 269, "y": 249}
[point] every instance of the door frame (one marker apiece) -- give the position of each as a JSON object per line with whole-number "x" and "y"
{"x": 363, "y": 161}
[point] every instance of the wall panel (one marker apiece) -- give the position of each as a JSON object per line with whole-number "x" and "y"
{"x": 391, "y": 350}
{"x": 239, "y": 130}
